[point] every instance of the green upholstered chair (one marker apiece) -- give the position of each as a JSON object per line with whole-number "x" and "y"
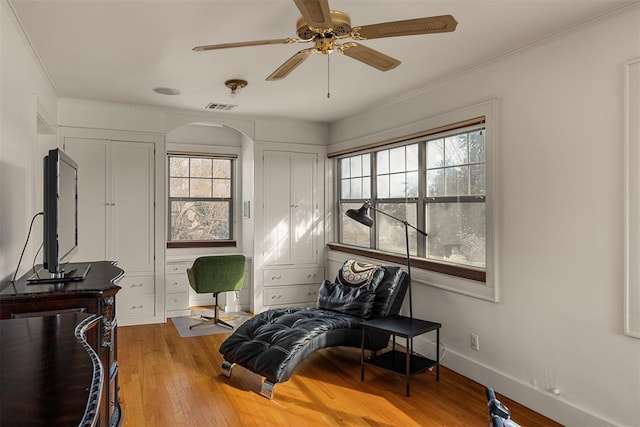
{"x": 215, "y": 274}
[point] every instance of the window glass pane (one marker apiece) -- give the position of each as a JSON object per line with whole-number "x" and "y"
{"x": 476, "y": 147}
{"x": 435, "y": 182}
{"x": 435, "y": 153}
{"x": 391, "y": 233}
{"x": 457, "y": 181}
{"x": 352, "y": 232}
{"x": 201, "y": 168}
{"x": 382, "y": 162}
{"x": 456, "y": 233}
{"x": 221, "y": 168}
{"x": 366, "y": 164}
{"x": 383, "y": 187}
{"x": 356, "y": 188}
{"x": 397, "y": 160}
{"x": 345, "y": 168}
{"x": 412, "y": 157}
{"x": 200, "y": 188}
{"x": 200, "y": 220}
{"x": 398, "y": 184}
{"x": 345, "y": 189}
{"x": 356, "y": 166}
{"x": 178, "y": 166}
{"x": 412, "y": 184}
{"x": 477, "y": 180}
{"x": 222, "y": 188}
{"x": 366, "y": 188}
{"x": 179, "y": 187}
{"x": 455, "y": 150}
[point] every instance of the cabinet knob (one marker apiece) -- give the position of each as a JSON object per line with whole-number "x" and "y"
{"x": 136, "y": 307}
{"x": 276, "y": 277}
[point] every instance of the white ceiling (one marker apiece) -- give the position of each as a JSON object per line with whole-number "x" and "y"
{"x": 119, "y": 50}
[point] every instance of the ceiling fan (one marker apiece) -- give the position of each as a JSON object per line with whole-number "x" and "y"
{"x": 326, "y": 28}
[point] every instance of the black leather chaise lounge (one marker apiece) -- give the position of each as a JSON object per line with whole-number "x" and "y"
{"x": 273, "y": 343}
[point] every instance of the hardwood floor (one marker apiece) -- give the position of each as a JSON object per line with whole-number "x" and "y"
{"x": 166, "y": 380}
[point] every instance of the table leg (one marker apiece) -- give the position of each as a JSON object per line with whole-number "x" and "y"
{"x": 438, "y": 354}
{"x": 408, "y": 364}
{"x": 362, "y": 357}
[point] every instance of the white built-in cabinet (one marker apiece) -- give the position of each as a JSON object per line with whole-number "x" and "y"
{"x": 116, "y": 217}
{"x": 291, "y": 269}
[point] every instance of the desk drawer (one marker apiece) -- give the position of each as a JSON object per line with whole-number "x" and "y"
{"x": 177, "y": 283}
{"x": 177, "y": 301}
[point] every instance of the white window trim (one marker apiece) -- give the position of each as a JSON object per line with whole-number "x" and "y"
{"x": 212, "y": 150}
{"x": 632, "y": 199}
{"x": 488, "y": 290}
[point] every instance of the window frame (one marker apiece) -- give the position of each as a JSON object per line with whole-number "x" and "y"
{"x": 231, "y": 200}
{"x": 482, "y": 284}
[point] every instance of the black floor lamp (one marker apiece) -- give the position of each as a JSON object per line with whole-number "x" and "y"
{"x": 362, "y": 216}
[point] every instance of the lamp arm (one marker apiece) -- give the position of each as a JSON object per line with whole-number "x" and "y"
{"x": 397, "y": 219}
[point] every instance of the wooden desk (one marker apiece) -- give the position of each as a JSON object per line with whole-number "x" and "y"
{"x": 50, "y": 374}
{"x": 96, "y": 294}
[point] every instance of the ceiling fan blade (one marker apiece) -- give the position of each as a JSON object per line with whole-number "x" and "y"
{"x": 315, "y": 12}
{"x": 244, "y": 44}
{"x": 369, "y": 56}
{"x": 408, "y": 27}
{"x": 290, "y": 65}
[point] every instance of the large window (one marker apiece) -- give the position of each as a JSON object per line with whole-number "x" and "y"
{"x": 200, "y": 199}
{"x": 436, "y": 183}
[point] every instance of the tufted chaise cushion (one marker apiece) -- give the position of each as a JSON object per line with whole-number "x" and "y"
{"x": 273, "y": 343}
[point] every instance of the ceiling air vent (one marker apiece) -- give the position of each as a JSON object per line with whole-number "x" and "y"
{"x": 221, "y": 107}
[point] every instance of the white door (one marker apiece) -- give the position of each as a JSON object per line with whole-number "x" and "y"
{"x": 91, "y": 155}
{"x": 277, "y": 207}
{"x": 132, "y": 200}
{"x": 303, "y": 203}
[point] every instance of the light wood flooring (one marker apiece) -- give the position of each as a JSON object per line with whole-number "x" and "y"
{"x": 166, "y": 380}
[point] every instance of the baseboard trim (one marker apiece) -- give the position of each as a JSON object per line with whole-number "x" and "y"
{"x": 537, "y": 399}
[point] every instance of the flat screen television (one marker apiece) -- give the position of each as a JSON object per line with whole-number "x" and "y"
{"x": 60, "y": 211}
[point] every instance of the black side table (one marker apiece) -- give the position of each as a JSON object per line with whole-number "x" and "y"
{"x": 407, "y": 364}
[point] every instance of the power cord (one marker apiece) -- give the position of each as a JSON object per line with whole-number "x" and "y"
{"x": 25, "y": 247}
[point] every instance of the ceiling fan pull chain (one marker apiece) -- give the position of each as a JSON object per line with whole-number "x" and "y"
{"x": 328, "y": 77}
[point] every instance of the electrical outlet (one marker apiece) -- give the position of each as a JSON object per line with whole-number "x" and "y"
{"x": 475, "y": 342}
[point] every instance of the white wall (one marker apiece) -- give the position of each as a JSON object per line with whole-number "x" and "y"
{"x": 24, "y": 93}
{"x": 560, "y": 134}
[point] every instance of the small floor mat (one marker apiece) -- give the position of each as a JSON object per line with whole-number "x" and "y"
{"x": 182, "y": 324}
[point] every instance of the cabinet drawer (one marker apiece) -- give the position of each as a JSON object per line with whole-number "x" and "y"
{"x": 177, "y": 267}
{"x": 141, "y": 305}
{"x": 291, "y": 295}
{"x": 177, "y": 301}
{"x": 137, "y": 285}
{"x": 293, "y": 276}
{"x": 177, "y": 283}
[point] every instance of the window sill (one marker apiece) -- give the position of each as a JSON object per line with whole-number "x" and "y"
{"x": 420, "y": 263}
{"x": 201, "y": 244}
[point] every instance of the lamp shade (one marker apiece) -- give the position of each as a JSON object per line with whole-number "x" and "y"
{"x": 361, "y": 215}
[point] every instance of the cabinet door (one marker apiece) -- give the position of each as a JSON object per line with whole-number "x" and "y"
{"x": 277, "y": 207}
{"x": 290, "y": 207}
{"x": 132, "y": 197}
{"x": 303, "y": 207}
{"x": 90, "y": 154}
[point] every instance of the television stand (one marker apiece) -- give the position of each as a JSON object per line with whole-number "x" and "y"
{"x": 72, "y": 273}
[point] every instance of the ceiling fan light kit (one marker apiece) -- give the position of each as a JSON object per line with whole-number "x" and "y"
{"x": 235, "y": 85}
{"x": 325, "y": 28}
